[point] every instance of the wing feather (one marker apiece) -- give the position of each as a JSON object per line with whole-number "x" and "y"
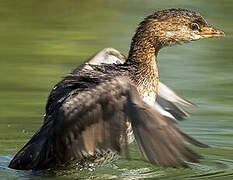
{"x": 94, "y": 121}
{"x": 94, "y": 117}
{"x": 158, "y": 137}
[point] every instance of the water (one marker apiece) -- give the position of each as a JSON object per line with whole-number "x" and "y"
{"x": 41, "y": 41}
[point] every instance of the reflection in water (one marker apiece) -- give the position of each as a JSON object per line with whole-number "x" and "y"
{"x": 42, "y": 41}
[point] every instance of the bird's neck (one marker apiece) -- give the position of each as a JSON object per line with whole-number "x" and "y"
{"x": 143, "y": 58}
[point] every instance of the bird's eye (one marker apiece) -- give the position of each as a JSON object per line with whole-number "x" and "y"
{"x": 194, "y": 26}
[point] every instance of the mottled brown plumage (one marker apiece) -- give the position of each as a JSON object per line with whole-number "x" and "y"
{"x": 89, "y": 112}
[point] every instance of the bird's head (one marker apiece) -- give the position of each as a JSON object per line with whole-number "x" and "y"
{"x": 174, "y": 26}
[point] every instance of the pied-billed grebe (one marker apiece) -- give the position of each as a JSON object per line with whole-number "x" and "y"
{"x": 89, "y": 112}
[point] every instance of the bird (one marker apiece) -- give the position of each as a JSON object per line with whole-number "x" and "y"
{"x": 92, "y": 113}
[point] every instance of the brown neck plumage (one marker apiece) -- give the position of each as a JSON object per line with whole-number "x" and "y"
{"x": 142, "y": 57}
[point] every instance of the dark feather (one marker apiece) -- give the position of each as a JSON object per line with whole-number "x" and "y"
{"x": 177, "y": 112}
{"x": 37, "y": 153}
{"x": 157, "y": 136}
{"x": 98, "y": 118}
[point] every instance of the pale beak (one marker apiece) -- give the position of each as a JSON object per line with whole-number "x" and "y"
{"x": 210, "y": 32}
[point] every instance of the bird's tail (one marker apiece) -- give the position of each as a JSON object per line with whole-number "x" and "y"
{"x": 37, "y": 153}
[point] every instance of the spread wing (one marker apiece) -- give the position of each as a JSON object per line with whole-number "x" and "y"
{"x": 170, "y": 102}
{"x": 94, "y": 121}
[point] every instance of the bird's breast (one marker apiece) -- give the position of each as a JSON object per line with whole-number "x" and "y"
{"x": 148, "y": 91}
{"x": 149, "y": 97}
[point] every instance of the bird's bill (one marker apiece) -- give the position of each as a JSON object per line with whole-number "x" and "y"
{"x": 210, "y": 32}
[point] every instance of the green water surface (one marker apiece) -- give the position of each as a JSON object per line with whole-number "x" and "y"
{"x": 42, "y": 41}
